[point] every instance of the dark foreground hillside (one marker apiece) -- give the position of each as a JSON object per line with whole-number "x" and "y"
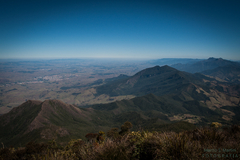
{"x": 201, "y": 143}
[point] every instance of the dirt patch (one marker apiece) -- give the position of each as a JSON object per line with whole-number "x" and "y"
{"x": 186, "y": 117}
{"x": 229, "y": 115}
{"x": 219, "y": 99}
{"x": 62, "y": 132}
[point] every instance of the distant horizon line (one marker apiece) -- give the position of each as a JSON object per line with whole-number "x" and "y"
{"x": 103, "y": 58}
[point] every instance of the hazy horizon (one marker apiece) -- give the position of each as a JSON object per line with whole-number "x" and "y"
{"x": 119, "y": 29}
{"x": 107, "y": 59}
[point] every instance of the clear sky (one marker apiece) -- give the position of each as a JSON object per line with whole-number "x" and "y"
{"x": 120, "y": 29}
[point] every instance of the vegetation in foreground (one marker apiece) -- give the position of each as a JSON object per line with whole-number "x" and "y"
{"x": 201, "y": 143}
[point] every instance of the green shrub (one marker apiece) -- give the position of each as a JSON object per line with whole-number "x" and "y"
{"x": 114, "y": 150}
{"x": 216, "y": 125}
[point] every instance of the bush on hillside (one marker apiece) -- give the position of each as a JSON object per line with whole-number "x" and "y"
{"x": 201, "y": 143}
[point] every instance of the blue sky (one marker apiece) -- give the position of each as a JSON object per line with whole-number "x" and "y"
{"x": 120, "y": 29}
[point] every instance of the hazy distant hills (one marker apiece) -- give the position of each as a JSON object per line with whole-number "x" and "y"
{"x": 172, "y": 61}
{"x": 204, "y": 65}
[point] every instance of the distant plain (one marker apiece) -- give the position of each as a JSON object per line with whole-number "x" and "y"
{"x": 71, "y": 80}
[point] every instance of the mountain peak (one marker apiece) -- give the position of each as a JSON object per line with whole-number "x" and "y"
{"x": 155, "y": 70}
{"x": 53, "y": 106}
{"x": 215, "y": 59}
{"x": 207, "y": 64}
{"x": 167, "y": 67}
{"x": 45, "y": 120}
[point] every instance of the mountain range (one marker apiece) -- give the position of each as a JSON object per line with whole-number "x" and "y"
{"x": 156, "y": 80}
{"x": 203, "y": 65}
{"x": 166, "y": 99}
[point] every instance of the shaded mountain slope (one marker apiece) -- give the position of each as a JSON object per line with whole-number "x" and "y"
{"x": 160, "y": 109}
{"x": 230, "y": 73}
{"x": 51, "y": 119}
{"x": 19, "y": 118}
{"x": 121, "y": 76}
